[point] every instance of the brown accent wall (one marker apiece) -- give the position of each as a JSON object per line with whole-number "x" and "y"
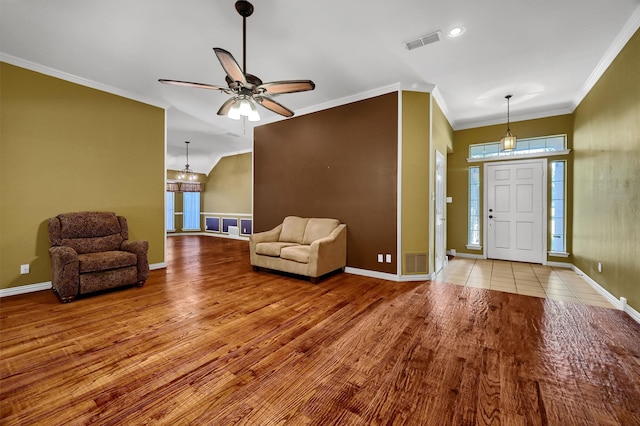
{"x": 340, "y": 163}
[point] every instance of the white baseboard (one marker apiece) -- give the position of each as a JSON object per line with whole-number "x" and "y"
{"x": 469, "y": 255}
{"x": 610, "y": 297}
{"x": 416, "y": 277}
{"x": 560, "y": 265}
{"x": 371, "y": 274}
{"x": 29, "y": 288}
{"x": 387, "y": 276}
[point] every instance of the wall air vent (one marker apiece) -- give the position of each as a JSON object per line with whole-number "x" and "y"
{"x": 415, "y": 263}
{"x": 424, "y": 40}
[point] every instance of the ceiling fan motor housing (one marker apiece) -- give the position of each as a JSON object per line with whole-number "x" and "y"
{"x": 244, "y": 8}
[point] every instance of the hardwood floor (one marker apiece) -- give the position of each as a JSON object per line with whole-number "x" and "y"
{"x": 210, "y": 342}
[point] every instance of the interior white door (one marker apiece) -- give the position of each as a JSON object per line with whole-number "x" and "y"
{"x": 516, "y": 206}
{"x": 440, "y": 213}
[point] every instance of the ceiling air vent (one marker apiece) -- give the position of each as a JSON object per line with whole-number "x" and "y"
{"x": 423, "y": 40}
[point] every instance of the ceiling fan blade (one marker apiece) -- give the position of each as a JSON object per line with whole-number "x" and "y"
{"x": 274, "y": 106}
{"x": 190, "y": 84}
{"x": 288, "y": 86}
{"x": 230, "y": 65}
{"x": 224, "y": 109}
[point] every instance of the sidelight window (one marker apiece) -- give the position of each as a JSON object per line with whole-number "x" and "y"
{"x": 473, "y": 236}
{"x": 558, "y": 206}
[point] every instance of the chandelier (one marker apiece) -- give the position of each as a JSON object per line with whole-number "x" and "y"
{"x": 508, "y": 141}
{"x": 187, "y": 173}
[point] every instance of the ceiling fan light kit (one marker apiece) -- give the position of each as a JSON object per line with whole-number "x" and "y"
{"x": 247, "y": 89}
{"x": 508, "y": 141}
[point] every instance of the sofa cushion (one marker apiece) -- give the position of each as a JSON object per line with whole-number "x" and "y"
{"x": 88, "y": 224}
{"x": 319, "y": 228}
{"x": 297, "y": 253}
{"x": 293, "y": 229}
{"x": 91, "y": 262}
{"x": 272, "y": 248}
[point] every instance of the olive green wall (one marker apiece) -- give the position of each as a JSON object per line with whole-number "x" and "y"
{"x": 66, "y": 147}
{"x": 228, "y": 188}
{"x": 442, "y": 141}
{"x": 458, "y": 176}
{"x": 415, "y": 174}
{"x": 442, "y": 132}
{"x": 607, "y": 178}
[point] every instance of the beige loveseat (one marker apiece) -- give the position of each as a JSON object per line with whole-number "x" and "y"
{"x": 304, "y": 246}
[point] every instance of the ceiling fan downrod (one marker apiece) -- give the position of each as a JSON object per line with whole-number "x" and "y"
{"x": 245, "y": 9}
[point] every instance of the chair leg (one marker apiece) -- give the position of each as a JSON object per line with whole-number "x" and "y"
{"x": 66, "y": 299}
{"x": 140, "y": 283}
{"x": 256, "y": 268}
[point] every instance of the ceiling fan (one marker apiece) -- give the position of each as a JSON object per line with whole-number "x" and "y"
{"x": 247, "y": 88}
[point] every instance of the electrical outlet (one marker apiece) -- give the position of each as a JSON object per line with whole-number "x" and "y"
{"x": 24, "y": 269}
{"x": 380, "y": 258}
{"x": 388, "y": 258}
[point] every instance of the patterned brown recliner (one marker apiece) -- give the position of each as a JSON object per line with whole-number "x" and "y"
{"x": 91, "y": 251}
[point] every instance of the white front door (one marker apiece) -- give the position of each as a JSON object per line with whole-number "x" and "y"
{"x": 516, "y": 210}
{"x": 439, "y": 213}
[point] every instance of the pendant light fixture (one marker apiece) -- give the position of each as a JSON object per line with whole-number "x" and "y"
{"x": 187, "y": 173}
{"x": 508, "y": 141}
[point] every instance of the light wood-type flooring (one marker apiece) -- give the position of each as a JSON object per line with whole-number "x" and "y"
{"x": 210, "y": 342}
{"x": 522, "y": 278}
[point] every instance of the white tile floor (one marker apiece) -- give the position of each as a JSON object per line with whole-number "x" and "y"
{"x": 522, "y": 278}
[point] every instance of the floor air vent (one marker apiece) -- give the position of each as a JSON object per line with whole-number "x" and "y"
{"x": 415, "y": 263}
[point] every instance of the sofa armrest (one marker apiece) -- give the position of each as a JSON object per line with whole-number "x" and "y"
{"x": 329, "y": 253}
{"x": 65, "y": 272}
{"x": 262, "y": 237}
{"x": 140, "y": 249}
{"x": 266, "y": 236}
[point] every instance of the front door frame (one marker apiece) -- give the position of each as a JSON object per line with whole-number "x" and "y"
{"x": 544, "y": 163}
{"x": 440, "y": 212}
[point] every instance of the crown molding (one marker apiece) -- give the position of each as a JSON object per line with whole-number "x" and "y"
{"x": 52, "y": 72}
{"x": 437, "y": 96}
{"x": 383, "y": 90}
{"x": 471, "y": 124}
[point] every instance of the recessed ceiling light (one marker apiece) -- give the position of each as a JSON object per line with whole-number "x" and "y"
{"x": 456, "y": 32}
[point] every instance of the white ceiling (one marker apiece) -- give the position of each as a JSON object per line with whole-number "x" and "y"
{"x": 546, "y": 53}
